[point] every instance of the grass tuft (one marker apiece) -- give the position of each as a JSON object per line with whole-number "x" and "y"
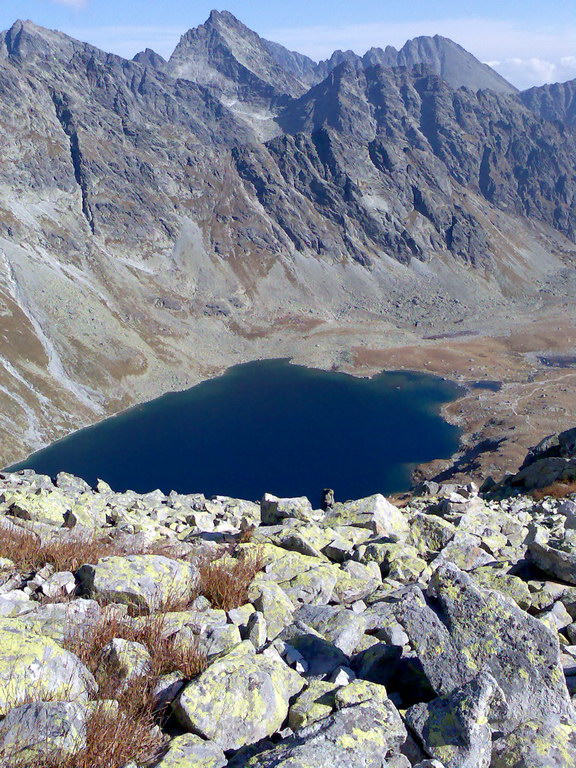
{"x": 225, "y": 582}
{"x": 556, "y": 491}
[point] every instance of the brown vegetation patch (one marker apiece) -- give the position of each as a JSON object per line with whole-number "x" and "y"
{"x": 167, "y": 654}
{"x": 225, "y": 582}
{"x": 556, "y": 491}
{"x": 65, "y": 554}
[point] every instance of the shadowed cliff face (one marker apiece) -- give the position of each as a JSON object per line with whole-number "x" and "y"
{"x": 148, "y": 222}
{"x": 553, "y": 102}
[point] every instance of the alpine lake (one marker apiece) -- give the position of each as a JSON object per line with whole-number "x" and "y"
{"x": 267, "y": 426}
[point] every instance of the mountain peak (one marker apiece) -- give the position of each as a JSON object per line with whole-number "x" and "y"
{"x": 218, "y": 17}
{"x": 25, "y": 39}
{"x": 149, "y": 58}
{"x": 226, "y": 54}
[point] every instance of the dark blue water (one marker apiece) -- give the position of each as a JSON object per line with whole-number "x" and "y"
{"x": 267, "y": 426}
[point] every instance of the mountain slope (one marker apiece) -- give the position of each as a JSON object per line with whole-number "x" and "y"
{"x": 149, "y": 237}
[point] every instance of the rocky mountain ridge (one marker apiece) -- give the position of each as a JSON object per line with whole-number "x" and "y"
{"x": 223, "y": 632}
{"x": 154, "y": 230}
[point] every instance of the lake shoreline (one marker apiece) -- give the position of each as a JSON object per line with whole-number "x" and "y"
{"x": 359, "y": 404}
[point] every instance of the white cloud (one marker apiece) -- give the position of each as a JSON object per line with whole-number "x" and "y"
{"x": 72, "y": 3}
{"x": 525, "y": 73}
{"x": 525, "y": 56}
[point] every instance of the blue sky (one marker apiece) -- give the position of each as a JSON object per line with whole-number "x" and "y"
{"x": 527, "y": 41}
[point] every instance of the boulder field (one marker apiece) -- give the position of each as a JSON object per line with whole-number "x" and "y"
{"x": 438, "y": 631}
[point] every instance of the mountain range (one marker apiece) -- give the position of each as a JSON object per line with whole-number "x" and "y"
{"x": 160, "y": 220}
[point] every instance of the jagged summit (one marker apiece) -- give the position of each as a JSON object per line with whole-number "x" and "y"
{"x": 150, "y": 58}
{"x": 231, "y": 58}
{"x": 447, "y": 59}
{"x": 26, "y": 39}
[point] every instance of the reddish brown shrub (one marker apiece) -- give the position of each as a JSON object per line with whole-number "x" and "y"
{"x": 556, "y": 490}
{"x": 225, "y": 581}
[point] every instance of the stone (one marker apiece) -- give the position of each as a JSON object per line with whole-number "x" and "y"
{"x": 381, "y": 621}
{"x": 44, "y": 507}
{"x": 360, "y": 692}
{"x": 536, "y": 745}
{"x": 273, "y": 603}
{"x": 58, "y": 620}
{"x": 509, "y": 585}
{"x": 144, "y": 581}
{"x": 556, "y": 617}
{"x": 61, "y": 583}
{"x": 314, "y": 703}
{"x": 378, "y": 663}
{"x": 167, "y": 689}
{"x": 464, "y": 551}
{"x": 241, "y": 698}
{"x": 374, "y": 512}
{"x": 339, "y": 626}
{"x": 190, "y": 750}
{"x": 127, "y": 659}
{"x": 274, "y": 509}
{"x": 321, "y": 656}
{"x": 470, "y": 629}
{"x": 256, "y": 630}
{"x": 430, "y": 533}
{"x": 41, "y": 731}
{"x": 455, "y": 728}
{"x": 87, "y": 511}
{"x": 555, "y": 562}
{"x": 359, "y": 735}
{"x": 32, "y": 667}
{"x": 342, "y": 676}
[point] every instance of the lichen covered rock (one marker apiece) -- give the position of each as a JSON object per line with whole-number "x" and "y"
{"x": 239, "y": 699}
{"x": 33, "y": 667}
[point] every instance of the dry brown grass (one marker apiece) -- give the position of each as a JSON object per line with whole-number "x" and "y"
{"x": 556, "y": 491}
{"x": 65, "y": 554}
{"x": 225, "y": 582}
{"x": 167, "y": 654}
{"x": 114, "y": 737}
{"x": 130, "y": 733}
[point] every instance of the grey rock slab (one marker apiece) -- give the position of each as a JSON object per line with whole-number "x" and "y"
{"x": 145, "y": 581}
{"x": 127, "y": 659}
{"x": 536, "y": 745}
{"x": 342, "y": 627}
{"x": 191, "y": 750}
{"x": 374, "y": 512}
{"x": 358, "y": 736}
{"x": 555, "y": 562}
{"x": 239, "y": 699}
{"x": 43, "y": 730}
{"x": 274, "y": 509}
{"x": 455, "y": 728}
{"x": 32, "y": 666}
{"x": 463, "y": 630}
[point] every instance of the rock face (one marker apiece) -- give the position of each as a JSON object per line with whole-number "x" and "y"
{"x": 556, "y": 101}
{"x": 468, "y": 630}
{"x": 177, "y": 193}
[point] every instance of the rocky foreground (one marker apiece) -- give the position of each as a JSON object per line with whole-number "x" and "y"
{"x": 178, "y": 631}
